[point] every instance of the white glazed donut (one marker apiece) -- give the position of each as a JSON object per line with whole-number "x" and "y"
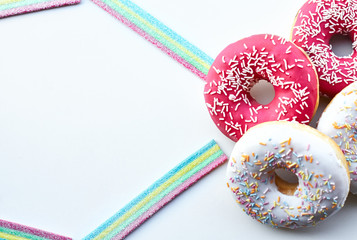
{"x": 339, "y": 122}
{"x": 318, "y": 163}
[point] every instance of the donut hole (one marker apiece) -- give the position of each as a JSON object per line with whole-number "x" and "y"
{"x": 286, "y": 181}
{"x": 341, "y": 45}
{"x": 263, "y": 92}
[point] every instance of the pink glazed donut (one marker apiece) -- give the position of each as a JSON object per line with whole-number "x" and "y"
{"x": 242, "y": 64}
{"x": 316, "y": 22}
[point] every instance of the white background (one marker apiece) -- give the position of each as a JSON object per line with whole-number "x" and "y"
{"x": 91, "y": 114}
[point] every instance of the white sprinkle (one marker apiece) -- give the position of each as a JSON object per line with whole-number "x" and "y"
{"x": 285, "y": 64}
{"x": 217, "y": 70}
{"x": 256, "y": 112}
{"x": 280, "y": 113}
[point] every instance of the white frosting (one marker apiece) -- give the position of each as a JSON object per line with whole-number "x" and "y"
{"x": 313, "y": 157}
{"x": 339, "y": 122}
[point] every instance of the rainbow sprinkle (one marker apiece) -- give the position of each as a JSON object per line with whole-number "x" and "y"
{"x": 160, "y": 193}
{"x": 158, "y": 34}
{"x": 14, "y": 231}
{"x": 15, "y": 7}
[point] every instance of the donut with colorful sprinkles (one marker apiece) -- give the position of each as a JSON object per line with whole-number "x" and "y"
{"x": 338, "y": 121}
{"x": 316, "y": 23}
{"x": 244, "y": 63}
{"x": 287, "y": 174}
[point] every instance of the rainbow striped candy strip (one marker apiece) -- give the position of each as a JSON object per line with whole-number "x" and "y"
{"x": 160, "y": 35}
{"x": 160, "y": 193}
{"x": 14, "y": 231}
{"x": 15, "y": 7}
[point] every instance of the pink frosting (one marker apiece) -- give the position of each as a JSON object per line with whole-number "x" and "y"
{"x": 317, "y": 21}
{"x": 240, "y": 65}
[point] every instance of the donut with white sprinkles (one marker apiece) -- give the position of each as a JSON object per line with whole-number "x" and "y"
{"x": 255, "y": 175}
{"x": 316, "y": 23}
{"x": 241, "y": 65}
